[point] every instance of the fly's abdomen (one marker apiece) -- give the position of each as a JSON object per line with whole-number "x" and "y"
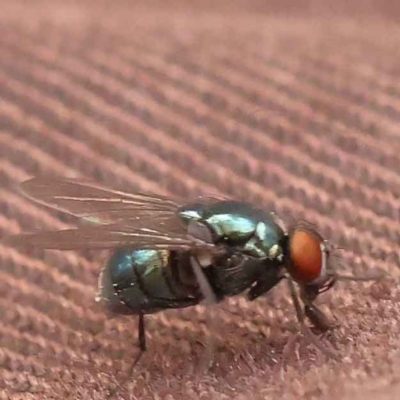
{"x": 145, "y": 280}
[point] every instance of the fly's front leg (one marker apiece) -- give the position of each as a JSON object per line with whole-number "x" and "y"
{"x": 315, "y": 314}
{"x": 312, "y": 312}
{"x": 318, "y": 318}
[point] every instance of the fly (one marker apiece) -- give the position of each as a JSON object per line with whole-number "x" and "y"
{"x": 168, "y": 253}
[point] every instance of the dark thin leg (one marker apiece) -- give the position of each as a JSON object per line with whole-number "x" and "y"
{"x": 317, "y": 318}
{"x": 142, "y": 343}
{"x": 312, "y": 312}
{"x": 142, "y": 349}
{"x": 304, "y": 329}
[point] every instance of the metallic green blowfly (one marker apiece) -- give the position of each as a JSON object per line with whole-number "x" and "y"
{"x": 171, "y": 254}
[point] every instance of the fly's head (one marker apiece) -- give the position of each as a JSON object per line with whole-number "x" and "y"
{"x": 309, "y": 260}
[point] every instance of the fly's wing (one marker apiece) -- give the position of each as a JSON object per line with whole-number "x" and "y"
{"x": 107, "y": 236}
{"x": 117, "y": 219}
{"x": 96, "y": 204}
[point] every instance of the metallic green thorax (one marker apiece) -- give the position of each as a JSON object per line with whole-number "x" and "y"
{"x": 238, "y": 224}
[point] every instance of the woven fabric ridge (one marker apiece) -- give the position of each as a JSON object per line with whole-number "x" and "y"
{"x": 297, "y": 114}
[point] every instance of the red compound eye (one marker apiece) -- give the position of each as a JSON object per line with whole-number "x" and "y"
{"x": 307, "y": 262}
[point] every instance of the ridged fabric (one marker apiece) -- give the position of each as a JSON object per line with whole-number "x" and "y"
{"x": 294, "y": 109}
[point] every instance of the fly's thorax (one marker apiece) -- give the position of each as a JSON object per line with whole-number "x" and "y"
{"x": 236, "y": 224}
{"x": 248, "y": 244}
{"x": 224, "y": 220}
{"x": 266, "y": 242}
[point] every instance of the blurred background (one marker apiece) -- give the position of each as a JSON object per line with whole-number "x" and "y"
{"x": 292, "y": 105}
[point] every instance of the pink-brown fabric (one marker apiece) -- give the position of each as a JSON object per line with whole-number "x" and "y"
{"x": 294, "y": 106}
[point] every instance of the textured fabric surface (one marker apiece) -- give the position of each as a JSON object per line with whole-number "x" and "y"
{"x": 294, "y": 106}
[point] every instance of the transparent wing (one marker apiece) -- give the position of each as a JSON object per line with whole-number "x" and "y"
{"x": 106, "y": 237}
{"x": 96, "y": 204}
{"x": 116, "y": 218}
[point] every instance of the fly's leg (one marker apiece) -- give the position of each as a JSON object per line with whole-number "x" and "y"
{"x": 142, "y": 349}
{"x": 318, "y": 318}
{"x": 314, "y": 314}
{"x": 142, "y": 342}
{"x": 210, "y": 299}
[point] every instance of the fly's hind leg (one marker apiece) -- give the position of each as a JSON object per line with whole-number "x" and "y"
{"x": 142, "y": 349}
{"x": 142, "y": 343}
